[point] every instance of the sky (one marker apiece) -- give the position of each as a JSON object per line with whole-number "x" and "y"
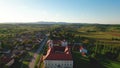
{"x": 73, "y": 11}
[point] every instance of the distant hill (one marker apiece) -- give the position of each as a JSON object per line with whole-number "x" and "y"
{"x": 41, "y": 22}
{"x": 50, "y": 22}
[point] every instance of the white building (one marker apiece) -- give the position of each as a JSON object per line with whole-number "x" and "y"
{"x": 64, "y": 43}
{"x": 50, "y": 43}
{"x": 59, "y": 57}
{"x": 58, "y": 63}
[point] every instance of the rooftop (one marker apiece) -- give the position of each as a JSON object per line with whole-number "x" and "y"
{"x": 59, "y": 57}
{"x": 59, "y": 53}
{"x": 5, "y": 59}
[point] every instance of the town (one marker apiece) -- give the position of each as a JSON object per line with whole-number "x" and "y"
{"x": 57, "y": 46}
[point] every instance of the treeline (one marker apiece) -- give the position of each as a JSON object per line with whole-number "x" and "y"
{"x": 110, "y": 51}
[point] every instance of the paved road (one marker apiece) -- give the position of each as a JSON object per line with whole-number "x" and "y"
{"x": 32, "y": 63}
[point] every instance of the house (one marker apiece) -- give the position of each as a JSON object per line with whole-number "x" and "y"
{"x": 18, "y": 53}
{"x": 19, "y": 39}
{"x": 7, "y": 60}
{"x": 5, "y": 51}
{"x": 58, "y": 57}
{"x": 10, "y": 62}
{"x": 83, "y": 51}
{"x": 50, "y": 43}
{"x": 28, "y": 46}
{"x": 64, "y": 43}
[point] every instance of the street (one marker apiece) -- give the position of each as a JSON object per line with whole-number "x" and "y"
{"x": 32, "y": 63}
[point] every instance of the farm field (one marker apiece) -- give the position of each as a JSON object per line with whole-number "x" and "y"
{"x": 101, "y": 41}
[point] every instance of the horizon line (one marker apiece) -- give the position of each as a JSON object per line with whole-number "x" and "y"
{"x": 35, "y": 22}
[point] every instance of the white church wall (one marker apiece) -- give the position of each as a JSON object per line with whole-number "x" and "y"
{"x": 57, "y": 63}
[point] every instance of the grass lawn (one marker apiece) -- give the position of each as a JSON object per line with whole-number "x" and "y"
{"x": 26, "y": 60}
{"x": 25, "y": 64}
{"x": 115, "y": 64}
{"x": 111, "y": 64}
{"x": 85, "y": 62}
{"x": 41, "y": 65}
{"x": 37, "y": 60}
{"x": 79, "y": 61}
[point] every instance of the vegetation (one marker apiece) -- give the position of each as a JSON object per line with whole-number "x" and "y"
{"x": 21, "y": 40}
{"x": 101, "y": 41}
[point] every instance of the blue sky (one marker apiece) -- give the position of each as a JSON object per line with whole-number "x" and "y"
{"x": 78, "y": 11}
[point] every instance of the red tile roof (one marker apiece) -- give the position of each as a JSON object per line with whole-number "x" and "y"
{"x": 5, "y": 59}
{"x": 61, "y": 55}
{"x": 58, "y": 48}
{"x": 56, "y": 41}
